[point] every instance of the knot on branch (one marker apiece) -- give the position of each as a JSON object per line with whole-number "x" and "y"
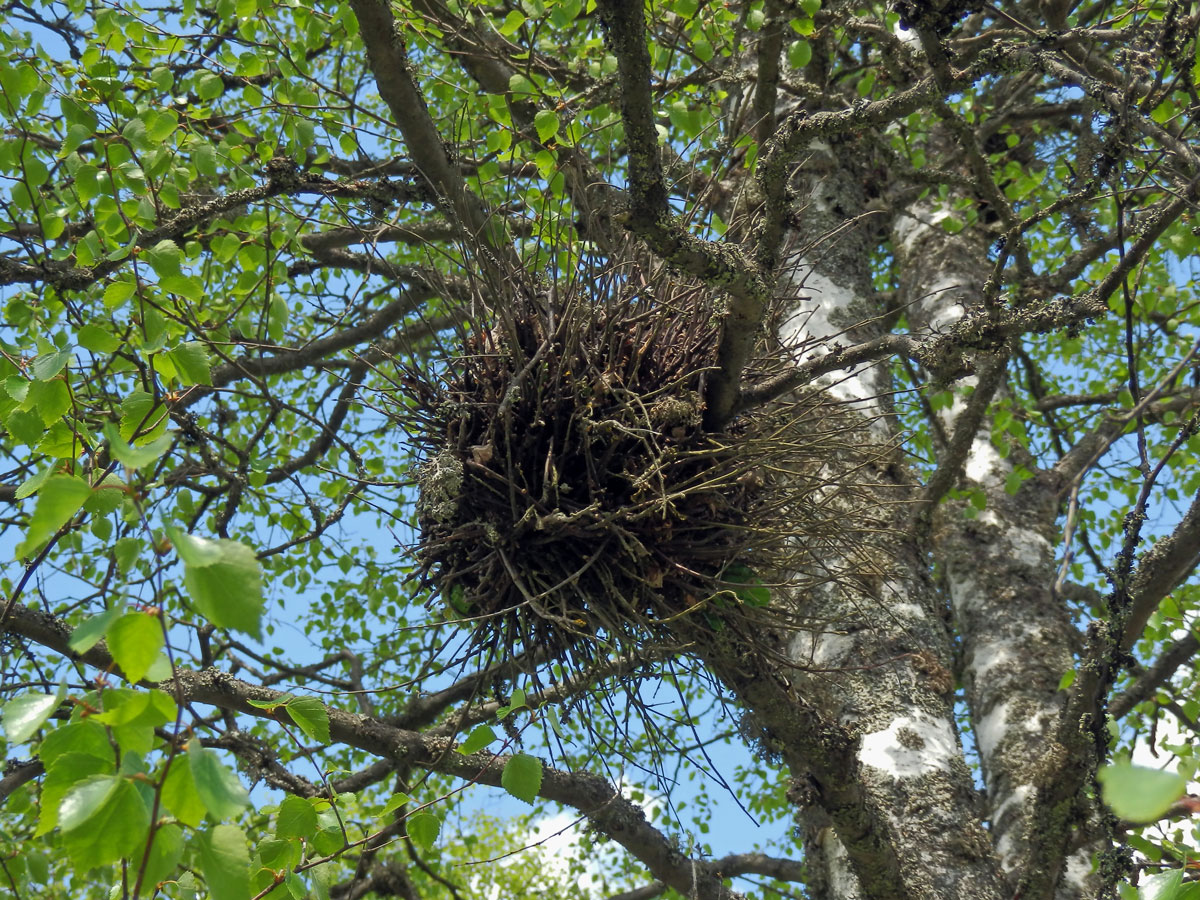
{"x": 283, "y": 173}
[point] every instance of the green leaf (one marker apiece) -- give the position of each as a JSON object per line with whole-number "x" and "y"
{"x": 271, "y": 704}
{"x": 329, "y": 841}
{"x": 97, "y": 339}
{"x": 225, "y": 862}
{"x": 297, "y": 819}
{"x": 48, "y": 365}
{"x": 191, "y": 362}
{"x": 160, "y": 669}
{"x": 546, "y": 123}
{"x": 142, "y": 418}
{"x": 89, "y": 632}
{"x": 517, "y": 701}
{"x": 394, "y": 803}
{"x": 953, "y": 224}
{"x": 218, "y": 786}
{"x": 26, "y": 427}
{"x": 85, "y": 736}
{"x": 278, "y": 855}
{"x": 209, "y": 86}
{"x": 134, "y": 640}
{"x": 58, "y": 501}
{"x": 135, "y": 457}
{"x": 125, "y": 552}
{"x": 480, "y": 737}
{"x": 25, "y": 714}
{"x": 129, "y": 706}
{"x": 117, "y": 292}
{"x": 165, "y": 854}
{"x": 135, "y": 132}
{"x": 512, "y": 22}
{"x": 799, "y": 54}
{"x": 164, "y": 257}
{"x": 1067, "y": 680}
{"x": 103, "y": 819}
{"x": 49, "y": 399}
{"x": 423, "y": 828}
{"x": 179, "y": 793}
{"x": 223, "y": 579}
{"x": 1163, "y": 886}
{"x": 34, "y": 483}
{"x": 754, "y": 593}
{"x": 1138, "y": 794}
{"x": 310, "y": 716}
{"x": 519, "y": 84}
{"x": 522, "y": 777}
{"x": 63, "y": 772}
{"x": 160, "y": 124}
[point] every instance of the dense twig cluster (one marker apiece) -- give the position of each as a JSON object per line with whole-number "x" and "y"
{"x": 570, "y": 498}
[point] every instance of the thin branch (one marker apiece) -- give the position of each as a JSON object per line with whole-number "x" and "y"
{"x": 837, "y": 359}
{"x": 282, "y": 179}
{"x": 17, "y": 773}
{"x": 290, "y": 359}
{"x": 966, "y": 433}
{"x": 1161, "y": 569}
{"x": 1158, "y": 674}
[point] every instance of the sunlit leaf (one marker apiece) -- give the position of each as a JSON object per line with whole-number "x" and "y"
{"x": 1138, "y": 794}
{"x": 59, "y": 499}
{"x": 522, "y": 777}
{"x": 136, "y": 457}
{"x": 297, "y": 818}
{"x": 480, "y": 737}
{"x": 179, "y": 793}
{"x": 423, "y": 828}
{"x": 134, "y": 641}
{"x": 223, "y": 580}
{"x": 103, "y": 819}
{"x": 225, "y": 862}
{"x": 218, "y": 786}
{"x": 310, "y": 715}
{"x": 26, "y": 713}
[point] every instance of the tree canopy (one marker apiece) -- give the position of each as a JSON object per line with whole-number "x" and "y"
{"x": 410, "y": 405}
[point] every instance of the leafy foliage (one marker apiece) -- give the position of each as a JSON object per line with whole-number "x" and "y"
{"x": 234, "y": 269}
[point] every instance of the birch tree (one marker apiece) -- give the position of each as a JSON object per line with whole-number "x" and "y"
{"x": 401, "y": 399}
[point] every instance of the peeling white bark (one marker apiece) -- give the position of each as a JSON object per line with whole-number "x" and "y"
{"x": 912, "y": 745}
{"x": 984, "y": 462}
{"x": 993, "y": 658}
{"x": 990, "y": 729}
{"x": 1026, "y": 545}
{"x": 825, "y": 649}
{"x": 813, "y": 329}
{"x": 842, "y": 883}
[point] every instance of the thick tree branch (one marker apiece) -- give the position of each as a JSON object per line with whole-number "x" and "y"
{"x": 388, "y": 59}
{"x": 722, "y": 266}
{"x": 18, "y": 772}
